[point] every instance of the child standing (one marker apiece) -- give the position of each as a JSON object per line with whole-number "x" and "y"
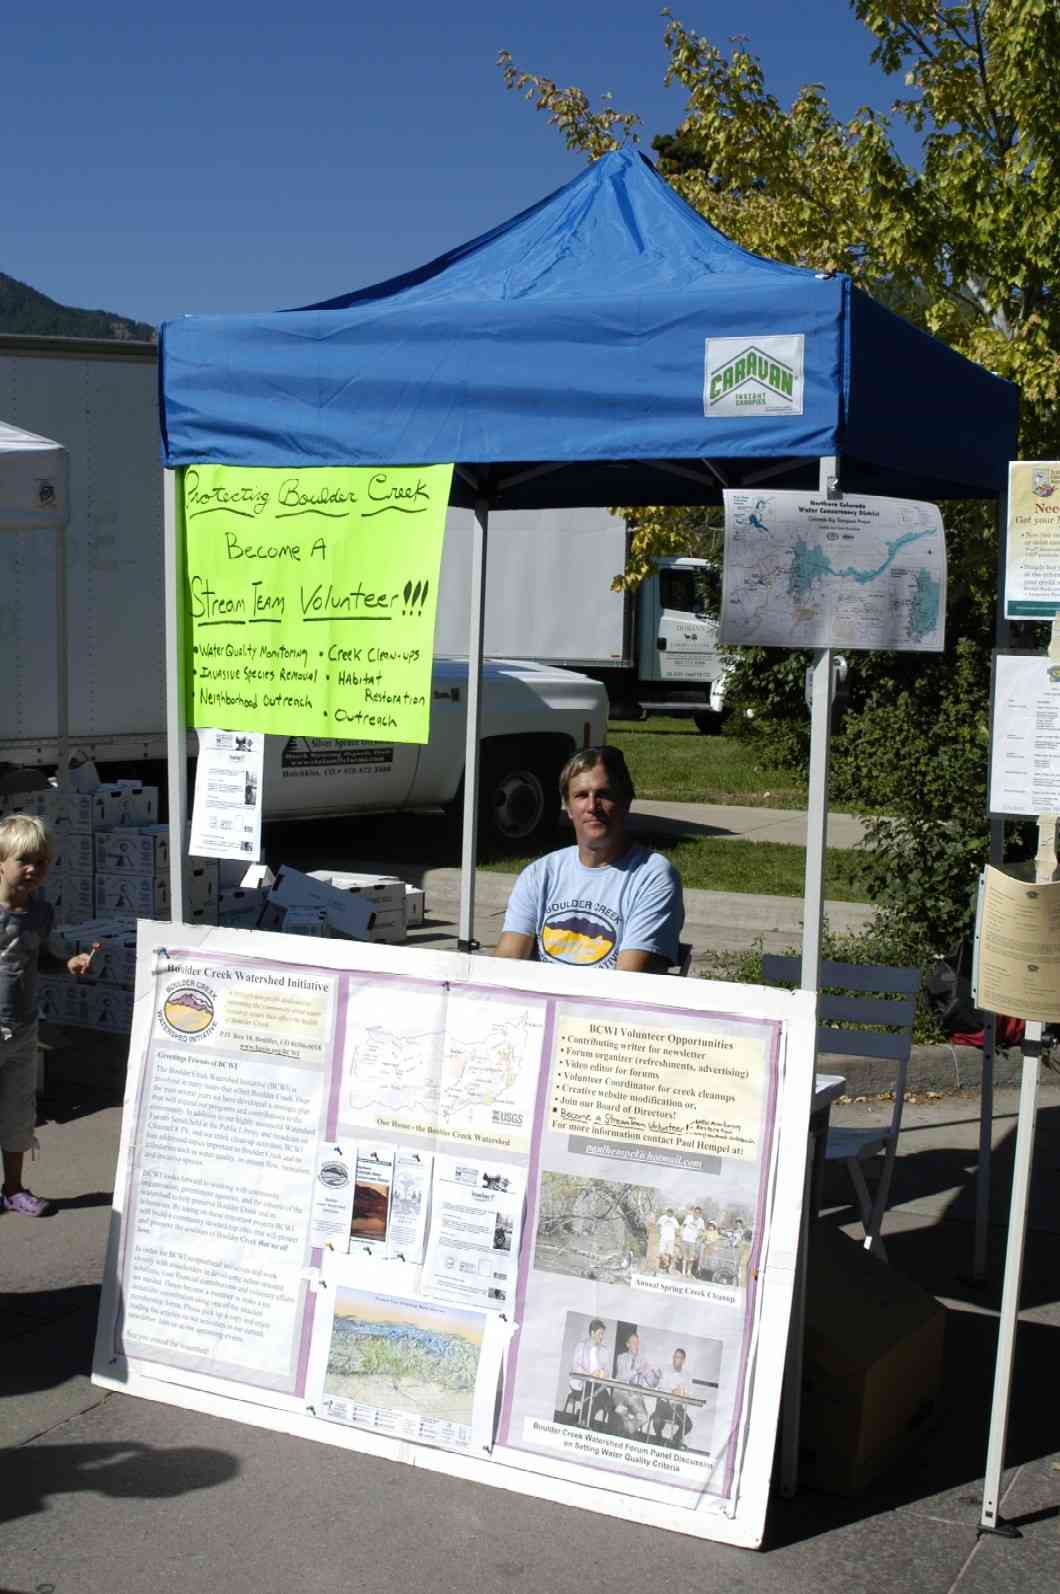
{"x": 25, "y": 924}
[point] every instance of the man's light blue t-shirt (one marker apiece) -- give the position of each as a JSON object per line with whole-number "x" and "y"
{"x": 588, "y": 916}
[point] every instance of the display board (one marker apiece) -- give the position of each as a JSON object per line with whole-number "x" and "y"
{"x": 803, "y": 570}
{"x": 310, "y": 597}
{"x": 1032, "y": 564}
{"x": 533, "y": 1227}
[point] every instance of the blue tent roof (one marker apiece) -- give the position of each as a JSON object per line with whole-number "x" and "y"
{"x": 560, "y": 360}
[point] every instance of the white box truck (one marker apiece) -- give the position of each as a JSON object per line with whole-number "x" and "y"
{"x": 549, "y": 597}
{"x": 99, "y": 400}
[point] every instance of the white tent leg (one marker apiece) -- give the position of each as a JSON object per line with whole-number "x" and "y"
{"x": 469, "y": 847}
{"x": 62, "y": 663}
{"x": 176, "y": 717}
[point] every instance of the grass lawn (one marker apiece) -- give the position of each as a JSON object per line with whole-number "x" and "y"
{"x": 764, "y": 868}
{"x": 672, "y": 761}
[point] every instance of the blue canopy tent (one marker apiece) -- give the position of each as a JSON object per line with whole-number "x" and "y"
{"x": 589, "y": 351}
{"x": 562, "y": 359}
{"x": 559, "y": 360}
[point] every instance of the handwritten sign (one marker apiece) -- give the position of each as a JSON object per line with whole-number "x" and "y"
{"x": 310, "y": 598}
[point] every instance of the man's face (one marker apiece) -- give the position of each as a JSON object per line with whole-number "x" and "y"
{"x": 597, "y": 1336}
{"x": 679, "y": 1361}
{"x": 633, "y": 1344}
{"x": 598, "y": 816}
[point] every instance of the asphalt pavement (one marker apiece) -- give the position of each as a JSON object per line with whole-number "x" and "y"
{"x": 109, "y": 1494}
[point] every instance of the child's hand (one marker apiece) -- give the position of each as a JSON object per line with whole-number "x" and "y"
{"x": 79, "y": 964}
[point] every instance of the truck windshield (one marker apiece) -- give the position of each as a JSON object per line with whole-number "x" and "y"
{"x": 677, "y": 590}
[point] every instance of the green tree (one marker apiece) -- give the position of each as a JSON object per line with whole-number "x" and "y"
{"x": 963, "y": 243}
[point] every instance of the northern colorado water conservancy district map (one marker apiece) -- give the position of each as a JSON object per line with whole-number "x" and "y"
{"x": 803, "y": 570}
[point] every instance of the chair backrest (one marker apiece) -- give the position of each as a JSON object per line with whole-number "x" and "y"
{"x": 684, "y": 959}
{"x": 884, "y": 996}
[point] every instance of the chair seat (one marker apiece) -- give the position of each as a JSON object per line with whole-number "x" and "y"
{"x": 845, "y": 1143}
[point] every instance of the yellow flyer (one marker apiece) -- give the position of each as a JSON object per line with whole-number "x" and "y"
{"x": 310, "y": 598}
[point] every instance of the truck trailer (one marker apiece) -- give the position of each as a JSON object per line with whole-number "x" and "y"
{"x": 99, "y": 399}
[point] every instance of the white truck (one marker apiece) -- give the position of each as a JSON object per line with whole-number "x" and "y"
{"x": 549, "y": 597}
{"x": 99, "y": 400}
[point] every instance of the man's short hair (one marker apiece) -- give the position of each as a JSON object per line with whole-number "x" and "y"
{"x": 595, "y": 1324}
{"x": 24, "y": 836}
{"x": 614, "y": 763}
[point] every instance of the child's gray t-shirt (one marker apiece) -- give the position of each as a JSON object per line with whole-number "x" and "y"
{"x": 22, "y": 937}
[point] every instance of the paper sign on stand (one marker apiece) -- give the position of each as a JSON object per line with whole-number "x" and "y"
{"x": 1032, "y": 565}
{"x": 282, "y": 1104}
{"x": 226, "y": 813}
{"x": 311, "y": 598}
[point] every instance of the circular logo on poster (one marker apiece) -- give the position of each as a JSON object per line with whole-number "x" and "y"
{"x": 188, "y": 1011}
{"x": 335, "y": 1175}
{"x": 583, "y": 937}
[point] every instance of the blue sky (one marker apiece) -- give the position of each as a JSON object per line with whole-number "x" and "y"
{"x": 248, "y": 156}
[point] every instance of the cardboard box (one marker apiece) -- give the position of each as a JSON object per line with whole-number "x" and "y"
{"x": 146, "y": 896}
{"x": 105, "y": 1007}
{"x": 71, "y": 895}
{"x": 383, "y": 891}
{"x": 73, "y": 852}
{"x": 240, "y": 907}
{"x": 872, "y": 1367}
{"x": 415, "y": 906}
{"x": 123, "y": 803}
{"x": 61, "y": 811}
{"x": 346, "y": 914}
{"x": 304, "y": 921}
{"x": 138, "y": 849}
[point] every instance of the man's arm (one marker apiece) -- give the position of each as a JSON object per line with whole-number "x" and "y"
{"x": 514, "y": 945}
{"x": 638, "y": 962}
{"x": 653, "y": 926}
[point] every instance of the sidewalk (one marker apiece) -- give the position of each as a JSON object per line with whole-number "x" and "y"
{"x": 731, "y": 823}
{"x": 106, "y": 1494}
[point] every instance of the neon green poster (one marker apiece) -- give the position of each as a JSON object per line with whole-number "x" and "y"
{"x": 310, "y": 598}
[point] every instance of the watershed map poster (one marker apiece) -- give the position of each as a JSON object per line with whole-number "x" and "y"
{"x": 310, "y": 598}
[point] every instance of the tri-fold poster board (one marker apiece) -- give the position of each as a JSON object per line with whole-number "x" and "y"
{"x": 534, "y": 1228}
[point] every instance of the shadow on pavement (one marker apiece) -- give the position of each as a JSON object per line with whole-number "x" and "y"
{"x": 47, "y": 1337}
{"x": 29, "y": 1474}
{"x": 945, "y": 1468}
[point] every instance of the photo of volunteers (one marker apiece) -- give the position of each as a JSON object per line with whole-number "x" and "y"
{"x": 614, "y": 1232}
{"x": 628, "y": 1379}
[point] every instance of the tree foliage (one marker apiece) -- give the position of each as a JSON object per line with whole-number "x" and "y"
{"x": 964, "y": 243}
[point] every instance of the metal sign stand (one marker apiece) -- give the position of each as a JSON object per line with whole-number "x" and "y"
{"x": 991, "y": 1520}
{"x": 476, "y": 630}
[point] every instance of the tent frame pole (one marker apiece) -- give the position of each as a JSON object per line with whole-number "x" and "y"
{"x": 62, "y": 662}
{"x": 1008, "y": 1319}
{"x": 476, "y": 626}
{"x": 176, "y": 712}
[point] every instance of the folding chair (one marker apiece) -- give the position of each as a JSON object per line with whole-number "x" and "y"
{"x": 684, "y": 959}
{"x": 877, "y": 987}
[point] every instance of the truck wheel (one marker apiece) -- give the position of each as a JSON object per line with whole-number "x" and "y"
{"x": 707, "y": 722}
{"x": 518, "y": 799}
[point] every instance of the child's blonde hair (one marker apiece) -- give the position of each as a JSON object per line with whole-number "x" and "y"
{"x": 24, "y": 836}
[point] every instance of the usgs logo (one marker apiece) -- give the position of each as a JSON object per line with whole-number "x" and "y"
{"x": 753, "y": 376}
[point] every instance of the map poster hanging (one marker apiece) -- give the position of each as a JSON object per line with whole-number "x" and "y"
{"x": 805, "y": 571}
{"x": 1032, "y": 567}
{"x": 310, "y": 598}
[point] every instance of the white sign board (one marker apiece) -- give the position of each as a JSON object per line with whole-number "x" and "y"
{"x": 566, "y": 1264}
{"x": 805, "y": 571}
{"x": 1032, "y": 565}
{"x": 1025, "y": 735}
{"x": 226, "y": 813}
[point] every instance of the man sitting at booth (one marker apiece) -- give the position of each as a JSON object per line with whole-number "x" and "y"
{"x": 605, "y": 902}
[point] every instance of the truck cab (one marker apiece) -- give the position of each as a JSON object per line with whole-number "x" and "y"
{"x": 677, "y": 644}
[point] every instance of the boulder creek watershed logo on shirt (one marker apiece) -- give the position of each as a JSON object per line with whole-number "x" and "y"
{"x": 579, "y": 932}
{"x": 753, "y": 376}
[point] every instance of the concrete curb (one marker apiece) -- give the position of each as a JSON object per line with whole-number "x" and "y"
{"x": 939, "y": 1068}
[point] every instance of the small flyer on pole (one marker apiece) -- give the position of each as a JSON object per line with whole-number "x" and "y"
{"x": 226, "y": 816}
{"x": 1025, "y": 735}
{"x": 1017, "y": 948}
{"x": 1032, "y": 568}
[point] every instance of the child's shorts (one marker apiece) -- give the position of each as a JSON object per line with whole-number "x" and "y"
{"x": 18, "y": 1089}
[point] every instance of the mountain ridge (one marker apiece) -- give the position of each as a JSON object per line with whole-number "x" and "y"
{"x": 23, "y": 309}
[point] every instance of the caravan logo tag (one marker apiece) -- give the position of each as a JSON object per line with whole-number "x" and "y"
{"x": 753, "y": 376}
